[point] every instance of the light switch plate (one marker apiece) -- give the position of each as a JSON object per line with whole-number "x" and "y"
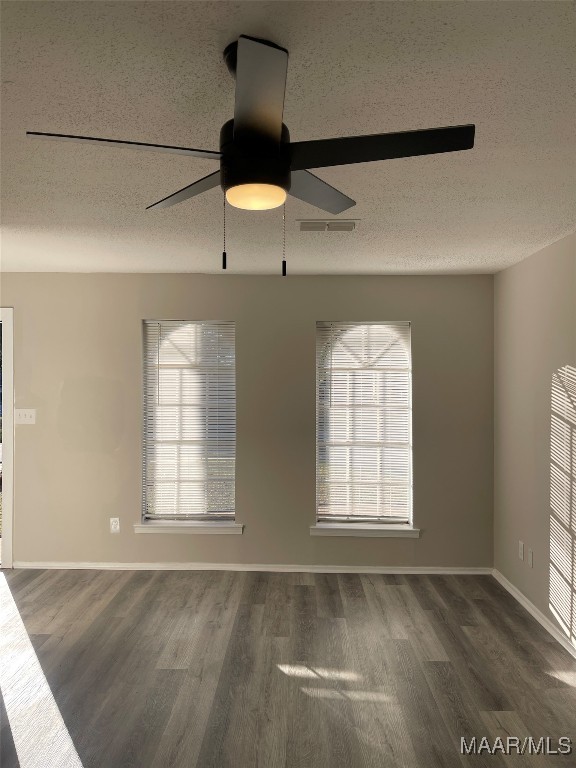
{"x": 25, "y": 415}
{"x": 521, "y": 550}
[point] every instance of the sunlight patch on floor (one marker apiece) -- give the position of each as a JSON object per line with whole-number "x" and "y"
{"x": 565, "y": 675}
{"x": 301, "y": 670}
{"x": 335, "y": 693}
{"x": 40, "y": 736}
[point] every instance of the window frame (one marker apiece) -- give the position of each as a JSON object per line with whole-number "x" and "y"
{"x": 213, "y": 523}
{"x": 357, "y": 525}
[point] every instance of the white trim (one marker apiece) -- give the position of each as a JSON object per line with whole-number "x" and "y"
{"x": 7, "y": 317}
{"x": 423, "y": 570}
{"x": 364, "y": 529}
{"x": 188, "y": 526}
{"x": 536, "y": 613}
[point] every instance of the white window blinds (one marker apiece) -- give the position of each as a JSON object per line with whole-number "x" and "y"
{"x": 189, "y": 420}
{"x": 364, "y": 424}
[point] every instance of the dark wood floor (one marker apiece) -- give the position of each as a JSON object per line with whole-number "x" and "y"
{"x": 260, "y": 670}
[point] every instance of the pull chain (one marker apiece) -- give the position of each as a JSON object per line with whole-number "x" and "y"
{"x": 284, "y": 240}
{"x": 224, "y": 248}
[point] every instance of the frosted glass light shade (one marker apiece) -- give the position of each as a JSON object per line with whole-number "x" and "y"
{"x": 256, "y": 197}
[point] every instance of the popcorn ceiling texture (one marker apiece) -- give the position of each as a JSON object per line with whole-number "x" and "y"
{"x": 153, "y": 72}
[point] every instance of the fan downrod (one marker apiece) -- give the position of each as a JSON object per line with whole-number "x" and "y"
{"x": 230, "y": 54}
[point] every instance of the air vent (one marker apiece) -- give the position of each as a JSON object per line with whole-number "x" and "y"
{"x": 341, "y": 226}
{"x": 312, "y": 226}
{"x": 332, "y": 225}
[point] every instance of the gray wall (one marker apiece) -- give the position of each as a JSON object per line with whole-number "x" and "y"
{"x": 78, "y": 362}
{"x": 535, "y": 335}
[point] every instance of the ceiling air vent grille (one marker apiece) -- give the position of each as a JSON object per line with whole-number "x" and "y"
{"x": 341, "y": 226}
{"x": 312, "y": 226}
{"x": 323, "y": 225}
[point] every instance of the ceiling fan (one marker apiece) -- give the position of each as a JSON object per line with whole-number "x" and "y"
{"x": 259, "y": 164}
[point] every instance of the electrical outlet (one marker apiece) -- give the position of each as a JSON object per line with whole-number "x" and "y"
{"x": 25, "y": 415}
{"x": 521, "y": 550}
{"x": 114, "y": 525}
{"x": 531, "y": 558}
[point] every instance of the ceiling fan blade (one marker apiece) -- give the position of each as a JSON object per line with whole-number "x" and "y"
{"x": 261, "y": 69}
{"x": 309, "y": 188}
{"x": 380, "y": 146}
{"x": 196, "y": 188}
{"x": 206, "y": 153}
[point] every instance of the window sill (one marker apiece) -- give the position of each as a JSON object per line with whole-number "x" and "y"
{"x": 364, "y": 529}
{"x": 189, "y": 526}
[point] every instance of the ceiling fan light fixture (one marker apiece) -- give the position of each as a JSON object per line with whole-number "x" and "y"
{"x": 258, "y": 162}
{"x": 256, "y": 197}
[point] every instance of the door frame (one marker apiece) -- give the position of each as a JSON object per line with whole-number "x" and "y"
{"x": 7, "y": 317}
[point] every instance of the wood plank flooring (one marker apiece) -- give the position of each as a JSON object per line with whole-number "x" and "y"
{"x": 215, "y": 669}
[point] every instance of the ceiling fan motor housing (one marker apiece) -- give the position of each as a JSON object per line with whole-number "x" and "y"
{"x": 253, "y": 159}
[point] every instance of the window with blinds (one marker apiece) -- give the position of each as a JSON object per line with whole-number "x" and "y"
{"x": 364, "y": 422}
{"x": 189, "y": 420}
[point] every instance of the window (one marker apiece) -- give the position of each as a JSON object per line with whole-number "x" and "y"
{"x": 189, "y": 420}
{"x": 364, "y": 424}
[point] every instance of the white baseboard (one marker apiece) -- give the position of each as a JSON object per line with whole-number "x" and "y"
{"x": 540, "y": 617}
{"x": 430, "y": 570}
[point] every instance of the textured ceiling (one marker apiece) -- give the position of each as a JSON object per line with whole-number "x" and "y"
{"x": 153, "y": 72}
